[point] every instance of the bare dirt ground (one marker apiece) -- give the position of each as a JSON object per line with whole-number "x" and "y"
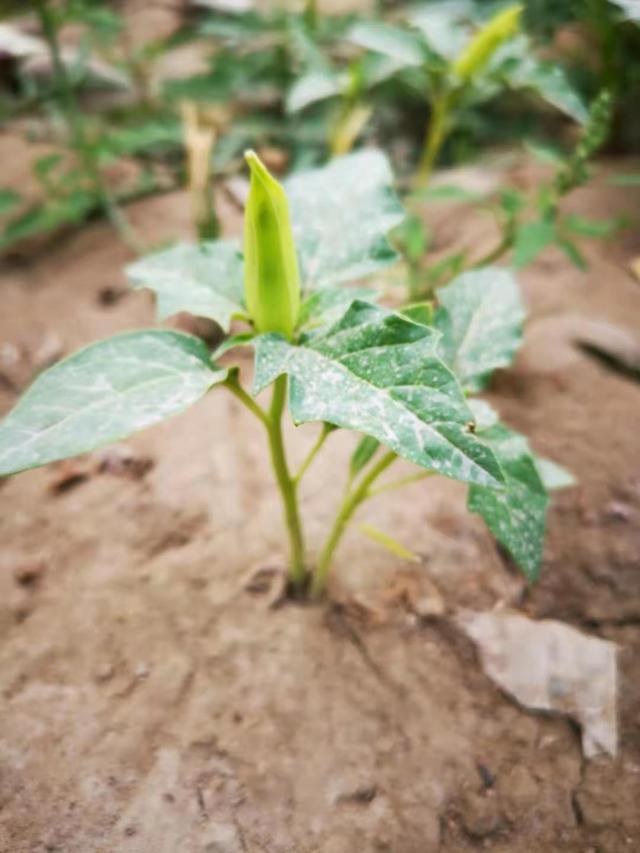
{"x": 150, "y": 704}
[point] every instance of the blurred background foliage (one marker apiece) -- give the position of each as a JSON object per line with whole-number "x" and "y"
{"x": 112, "y": 116}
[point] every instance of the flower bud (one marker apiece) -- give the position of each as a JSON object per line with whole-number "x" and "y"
{"x": 486, "y": 41}
{"x": 271, "y": 275}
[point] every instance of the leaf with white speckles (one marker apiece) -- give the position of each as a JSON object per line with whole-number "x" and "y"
{"x": 379, "y": 373}
{"x": 328, "y": 304}
{"x": 205, "y": 280}
{"x": 481, "y": 316}
{"x": 341, "y": 215}
{"x": 516, "y": 515}
{"x": 104, "y": 393}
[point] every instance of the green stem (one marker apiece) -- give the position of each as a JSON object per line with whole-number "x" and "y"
{"x": 349, "y": 505}
{"x": 399, "y": 484}
{"x": 495, "y": 254}
{"x": 286, "y": 484}
{"x": 233, "y": 385}
{"x": 75, "y": 123}
{"x": 311, "y": 15}
{"x": 434, "y": 140}
{"x": 325, "y": 432}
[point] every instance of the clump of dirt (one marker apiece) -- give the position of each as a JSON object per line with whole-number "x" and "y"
{"x": 153, "y": 702}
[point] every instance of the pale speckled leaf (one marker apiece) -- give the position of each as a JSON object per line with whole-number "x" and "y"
{"x": 205, "y": 280}
{"x": 516, "y": 515}
{"x": 104, "y": 393}
{"x": 341, "y": 215}
{"x": 553, "y": 476}
{"x": 379, "y": 373}
{"x": 328, "y": 304}
{"x": 480, "y": 316}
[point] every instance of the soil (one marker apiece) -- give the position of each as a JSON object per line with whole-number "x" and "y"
{"x": 152, "y": 703}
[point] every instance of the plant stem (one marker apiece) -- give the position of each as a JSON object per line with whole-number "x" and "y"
{"x": 399, "y": 484}
{"x": 349, "y": 505}
{"x": 75, "y": 123}
{"x": 311, "y": 14}
{"x": 325, "y": 432}
{"x": 286, "y": 484}
{"x": 236, "y": 389}
{"x": 503, "y": 246}
{"x": 435, "y": 138}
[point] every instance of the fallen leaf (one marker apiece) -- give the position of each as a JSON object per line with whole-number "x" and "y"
{"x": 549, "y": 666}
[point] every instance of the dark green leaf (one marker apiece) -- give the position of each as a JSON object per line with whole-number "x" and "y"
{"x": 363, "y": 454}
{"x": 516, "y": 514}
{"x": 104, "y": 393}
{"x": 379, "y": 373}
{"x": 480, "y": 316}
{"x": 205, "y": 280}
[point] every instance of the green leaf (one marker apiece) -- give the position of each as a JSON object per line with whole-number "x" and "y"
{"x": 316, "y": 85}
{"x": 419, "y": 312}
{"x": 545, "y": 153}
{"x": 480, "y": 316}
{"x": 484, "y": 414}
{"x": 103, "y": 393}
{"x": 392, "y": 545}
{"x": 516, "y": 514}
{"x": 379, "y": 373}
{"x": 328, "y": 304}
{"x": 365, "y": 451}
{"x": 400, "y": 44}
{"x": 445, "y": 24}
{"x": 8, "y": 200}
{"x": 205, "y": 280}
{"x": 448, "y": 193}
{"x": 512, "y": 201}
{"x": 592, "y": 227}
{"x": 553, "y": 476}
{"x": 341, "y": 215}
{"x": 572, "y": 252}
{"x": 413, "y": 237}
{"x": 531, "y": 239}
{"x": 550, "y": 83}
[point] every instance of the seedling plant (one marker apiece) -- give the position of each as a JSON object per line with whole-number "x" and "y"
{"x": 402, "y": 379}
